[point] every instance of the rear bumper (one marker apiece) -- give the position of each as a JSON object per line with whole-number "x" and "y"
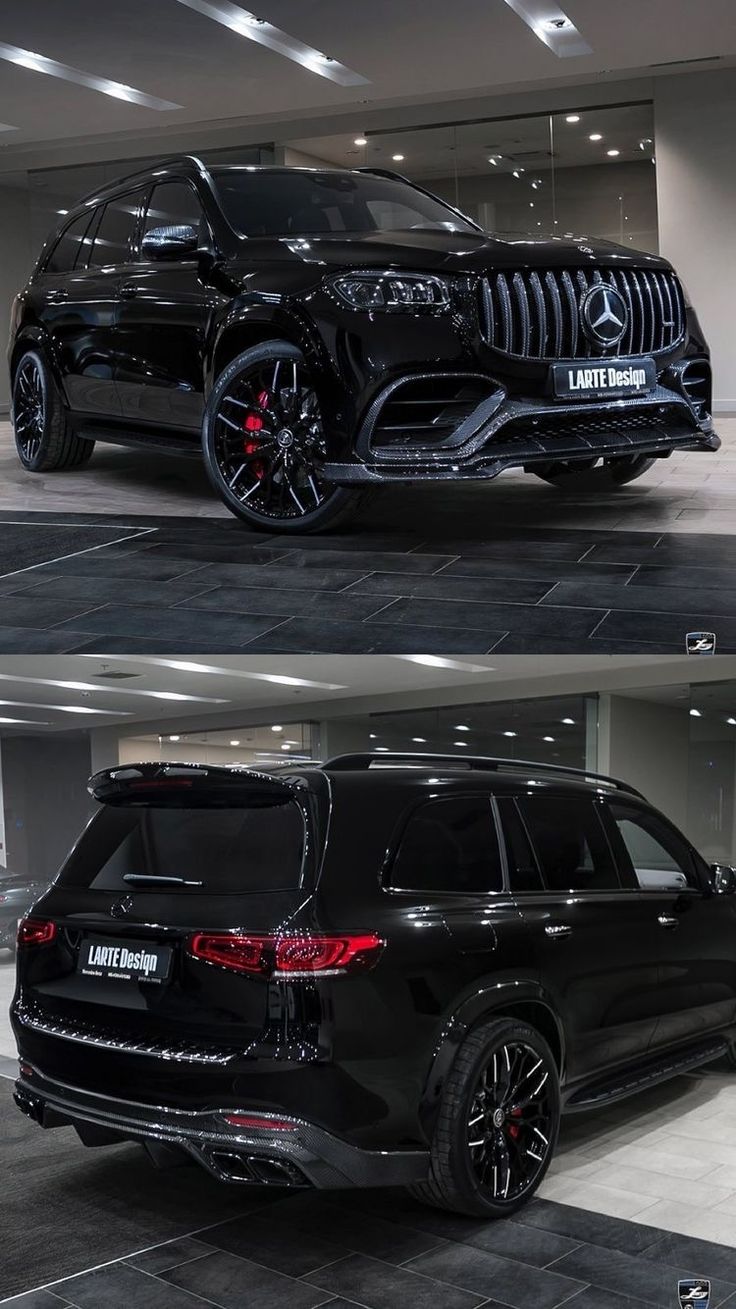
{"x": 507, "y": 432}
{"x": 302, "y": 1155}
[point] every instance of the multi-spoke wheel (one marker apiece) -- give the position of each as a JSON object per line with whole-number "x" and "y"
{"x": 498, "y": 1122}
{"x": 265, "y": 446}
{"x": 43, "y": 437}
{"x": 593, "y": 474}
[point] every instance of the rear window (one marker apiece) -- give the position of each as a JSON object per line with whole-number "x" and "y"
{"x": 449, "y": 846}
{"x": 227, "y": 849}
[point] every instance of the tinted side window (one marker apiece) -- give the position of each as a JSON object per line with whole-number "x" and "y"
{"x": 449, "y": 846}
{"x": 115, "y": 231}
{"x": 63, "y": 257}
{"x": 173, "y": 204}
{"x": 524, "y": 874}
{"x": 661, "y": 859}
{"x": 570, "y": 843}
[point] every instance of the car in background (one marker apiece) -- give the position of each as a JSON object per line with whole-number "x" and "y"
{"x": 17, "y": 893}
{"x": 315, "y": 333}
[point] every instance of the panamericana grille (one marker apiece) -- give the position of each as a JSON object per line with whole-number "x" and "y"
{"x": 535, "y": 314}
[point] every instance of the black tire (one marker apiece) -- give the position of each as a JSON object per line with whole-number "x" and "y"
{"x": 468, "y": 1177}
{"x": 592, "y": 475}
{"x": 44, "y": 439}
{"x": 270, "y": 486}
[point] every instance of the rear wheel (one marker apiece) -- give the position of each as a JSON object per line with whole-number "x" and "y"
{"x": 498, "y": 1123}
{"x": 43, "y": 437}
{"x": 265, "y": 446}
{"x": 593, "y": 474}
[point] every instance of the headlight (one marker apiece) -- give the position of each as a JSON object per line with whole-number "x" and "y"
{"x": 392, "y": 292}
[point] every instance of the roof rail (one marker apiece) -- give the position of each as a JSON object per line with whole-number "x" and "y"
{"x": 489, "y": 763}
{"x": 144, "y": 168}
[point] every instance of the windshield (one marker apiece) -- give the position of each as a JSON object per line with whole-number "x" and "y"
{"x": 295, "y": 203}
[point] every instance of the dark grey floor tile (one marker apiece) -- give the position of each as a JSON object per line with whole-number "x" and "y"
{"x": 112, "y": 645}
{"x": 527, "y": 1245}
{"x": 27, "y": 640}
{"x": 169, "y": 1255}
{"x": 650, "y": 599}
{"x": 27, "y": 611}
{"x": 635, "y": 1275}
{"x": 368, "y": 560}
{"x": 313, "y": 636}
{"x": 528, "y": 620}
{"x": 549, "y": 570}
{"x": 379, "y": 1286}
{"x": 362, "y": 537}
{"x": 594, "y": 1297}
{"x": 585, "y": 1226}
{"x": 235, "y": 1283}
{"x": 24, "y": 544}
{"x": 709, "y": 1258}
{"x": 120, "y": 590}
{"x": 296, "y": 604}
{"x": 713, "y": 578}
{"x": 172, "y": 625}
{"x": 687, "y": 548}
{"x": 281, "y": 1243}
{"x": 355, "y": 1231}
{"x": 38, "y": 1300}
{"x": 665, "y": 628}
{"x": 514, "y": 547}
{"x": 120, "y": 564}
{"x": 279, "y": 576}
{"x": 118, "y": 1286}
{"x": 515, "y": 1284}
{"x": 244, "y": 550}
{"x": 442, "y": 587}
{"x": 515, "y": 643}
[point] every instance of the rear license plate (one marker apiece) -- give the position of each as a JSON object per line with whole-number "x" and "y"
{"x": 124, "y": 961}
{"x": 613, "y": 378}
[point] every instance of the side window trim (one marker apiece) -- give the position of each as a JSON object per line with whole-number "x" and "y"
{"x": 44, "y": 268}
{"x": 597, "y": 807}
{"x": 398, "y": 836}
{"x": 134, "y": 196}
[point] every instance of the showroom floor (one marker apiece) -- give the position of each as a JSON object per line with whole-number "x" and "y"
{"x": 638, "y": 1196}
{"x": 422, "y": 569}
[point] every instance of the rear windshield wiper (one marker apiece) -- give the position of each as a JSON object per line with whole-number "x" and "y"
{"x": 150, "y": 879}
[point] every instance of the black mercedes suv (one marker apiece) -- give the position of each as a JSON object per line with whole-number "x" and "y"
{"x": 324, "y": 332}
{"x": 383, "y": 970}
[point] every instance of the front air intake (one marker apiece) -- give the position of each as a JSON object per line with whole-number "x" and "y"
{"x": 424, "y": 411}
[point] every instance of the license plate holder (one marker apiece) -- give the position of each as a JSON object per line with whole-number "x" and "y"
{"x": 604, "y": 379}
{"x": 118, "y": 960}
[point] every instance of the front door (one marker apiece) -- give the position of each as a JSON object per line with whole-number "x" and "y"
{"x": 164, "y": 311}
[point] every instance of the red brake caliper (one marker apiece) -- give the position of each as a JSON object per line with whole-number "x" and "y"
{"x": 513, "y": 1128}
{"x": 253, "y": 424}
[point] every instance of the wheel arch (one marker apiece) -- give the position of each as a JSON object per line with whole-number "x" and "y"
{"x": 248, "y": 327}
{"x": 32, "y": 336}
{"x": 526, "y": 1003}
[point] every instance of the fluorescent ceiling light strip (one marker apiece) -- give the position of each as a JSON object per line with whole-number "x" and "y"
{"x": 14, "y": 54}
{"x": 66, "y": 708}
{"x": 542, "y": 16}
{"x": 7, "y": 127}
{"x": 193, "y": 666}
{"x": 254, "y": 28}
{"x": 30, "y": 722}
{"x": 109, "y": 690}
{"x": 439, "y": 661}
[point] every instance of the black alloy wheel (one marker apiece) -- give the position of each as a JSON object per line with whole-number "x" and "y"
{"x": 265, "y": 446}
{"x": 44, "y": 439}
{"x": 593, "y": 474}
{"x": 498, "y": 1123}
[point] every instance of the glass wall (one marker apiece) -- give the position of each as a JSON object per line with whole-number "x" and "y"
{"x": 587, "y": 171}
{"x": 250, "y": 746}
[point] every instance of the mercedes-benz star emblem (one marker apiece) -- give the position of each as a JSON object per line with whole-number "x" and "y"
{"x": 121, "y": 907}
{"x": 604, "y": 314}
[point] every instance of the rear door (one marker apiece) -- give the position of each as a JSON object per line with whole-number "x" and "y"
{"x": 594, "y": 944}
{"x": 695, "y": 927}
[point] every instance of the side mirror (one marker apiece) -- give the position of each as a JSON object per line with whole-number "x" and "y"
{"x": 170, "y": 242}
{"x": 724, "y": 879}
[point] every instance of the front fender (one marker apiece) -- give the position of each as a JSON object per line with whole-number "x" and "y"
{"x": 248, "y": 321}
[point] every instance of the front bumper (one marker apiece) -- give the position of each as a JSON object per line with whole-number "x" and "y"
{"x": 305, "y": 1155}
{"x": 506, "y": 432}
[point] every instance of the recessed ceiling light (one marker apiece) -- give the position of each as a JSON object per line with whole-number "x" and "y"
{"x": 62, "y": 211}
{"x": 695, "y": 713}
{"x": 509, "y": 733}
{"x": 558, "y": 32}
{"x": 419, "y": 740}
{"x": 548, "y": 738}
{"x": 572, "y": 118}
{"x": 192, "y": 666}
{"x": 461, "y": 727}
{"x": 372, "y": 736}
{"x": 285, "y": 745}
{"x": 397, "y": 158}
{"x": 462, "y": 744}
{"x": 570, "y": 722}
{"x": 360, "y": 140}
{"x": 382, "y": 748}
{"x": 613, "y": 153}
{"x": 277, "y": 728}
{"x": 731, "y": 722}
{"x": 257, "y": 29}
{"x": 235, "y": 742}
{"x": 596, "y": 136}
{"x": 36, "y": 63}
{"x": 175, "y": 738}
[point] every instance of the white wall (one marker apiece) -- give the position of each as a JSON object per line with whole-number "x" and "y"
{"x": 15, "y": 265}
{"x": 695, "y": 135}
{"x": 647, "y": 744}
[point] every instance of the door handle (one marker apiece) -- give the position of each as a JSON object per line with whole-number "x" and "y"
{"x": 668, "y": 921}
{"x": 558, "y": 931}
{"x": 128, "y": 292}
{"x": 55, "y": 297}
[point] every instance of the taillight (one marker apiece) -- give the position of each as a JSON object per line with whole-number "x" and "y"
{"x": 287, "y": 956}
{"x": 261, "y": 1122}
{"x": 35, "y": 931}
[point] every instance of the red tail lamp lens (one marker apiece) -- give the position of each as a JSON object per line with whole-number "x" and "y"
{"x": 36, "y": 931}
{"x": 260, "y": 1122}
{"x": 287, "y": 956}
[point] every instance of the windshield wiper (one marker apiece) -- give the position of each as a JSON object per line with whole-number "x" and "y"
{"x": 150, "y": 879}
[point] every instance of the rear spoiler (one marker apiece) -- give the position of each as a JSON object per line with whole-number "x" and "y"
{"x": 177, "y": 784}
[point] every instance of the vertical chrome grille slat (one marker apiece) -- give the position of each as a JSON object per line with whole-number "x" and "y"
{"x": 536, "y": 314}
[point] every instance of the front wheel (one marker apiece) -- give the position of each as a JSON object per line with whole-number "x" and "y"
{"x": 265, "y": 447}
{"x": 592, "y": 474}
{"x": 497, "y": 1125}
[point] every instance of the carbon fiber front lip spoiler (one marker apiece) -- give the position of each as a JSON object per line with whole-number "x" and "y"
{"x": 308, "y": 1151}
